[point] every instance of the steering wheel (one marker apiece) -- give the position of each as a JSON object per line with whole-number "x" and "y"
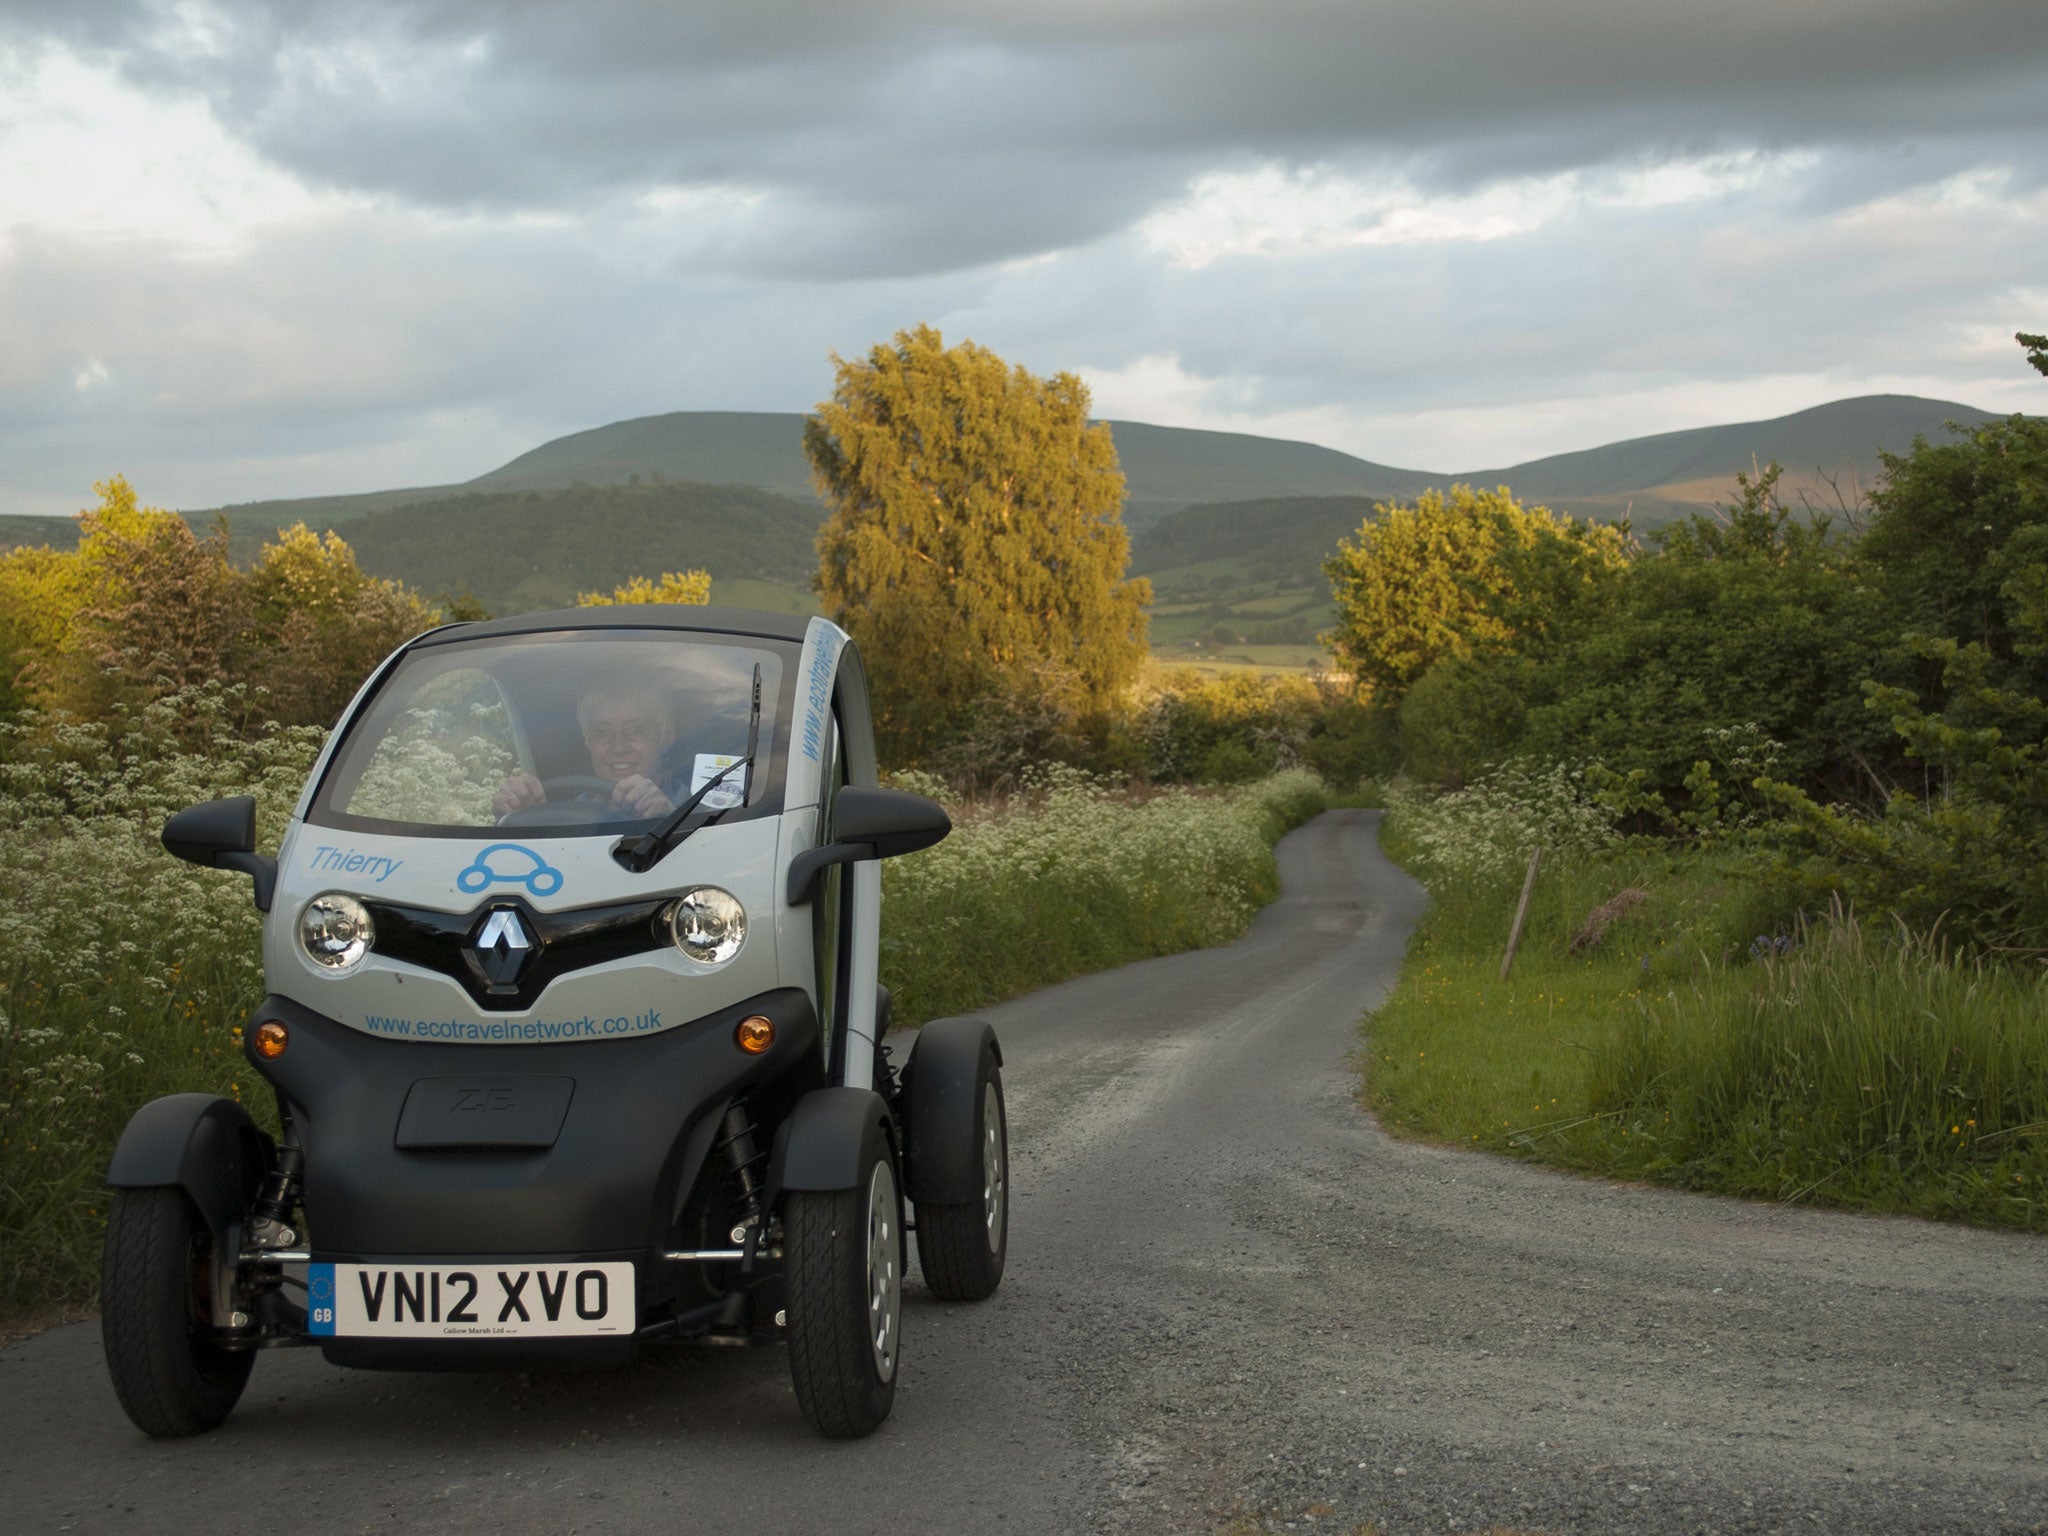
{"x": 559, "y": 808}
{"x": 565, "y": 785}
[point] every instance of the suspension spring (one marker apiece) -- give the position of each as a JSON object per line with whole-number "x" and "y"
{"x": 744, "y": 1156}
{"x": 270, "y": 1222}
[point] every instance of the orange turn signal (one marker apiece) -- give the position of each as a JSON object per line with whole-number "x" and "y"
{"x": 755, "y": 1034}
{"x": 271, "y": 1039}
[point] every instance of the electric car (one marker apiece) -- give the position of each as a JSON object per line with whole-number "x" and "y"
{"x": 576, "y": 1036}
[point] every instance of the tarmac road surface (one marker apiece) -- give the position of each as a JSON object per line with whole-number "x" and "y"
{"x": 1232, "y": 1305}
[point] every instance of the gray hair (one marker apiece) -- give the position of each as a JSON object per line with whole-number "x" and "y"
{"x": 626, "y": 692}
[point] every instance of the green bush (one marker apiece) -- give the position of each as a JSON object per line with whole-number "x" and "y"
{"x": 1464, "y": 715}
{"x": 1184, "y": 727}
{"x": 1757, "y": 620}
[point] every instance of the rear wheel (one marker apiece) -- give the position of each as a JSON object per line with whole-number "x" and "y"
{"x": 843, "y": 1268}
{"x": 155, "y": 1322}
{"x": 962, "y": 1247}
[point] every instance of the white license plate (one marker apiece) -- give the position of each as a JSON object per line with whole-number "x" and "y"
{"x": 468, "y": 1301}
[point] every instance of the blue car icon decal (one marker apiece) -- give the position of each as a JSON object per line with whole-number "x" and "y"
{"x": 510, "y": 864}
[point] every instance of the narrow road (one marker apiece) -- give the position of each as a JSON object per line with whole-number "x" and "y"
{"x": 1233, "y": 1306}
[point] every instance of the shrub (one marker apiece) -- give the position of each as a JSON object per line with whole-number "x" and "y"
{"x": 692, "y": 586}
{"x": 1487, "y": 830}
{"x": 1190, "y": 728}
{"x": 1464, "y": 715}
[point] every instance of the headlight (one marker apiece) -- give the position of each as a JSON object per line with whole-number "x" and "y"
{"x": 335, "y": 932}
{"x": 708, "y": 925}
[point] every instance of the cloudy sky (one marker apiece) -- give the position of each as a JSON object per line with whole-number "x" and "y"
{"x": 260, "y": 249}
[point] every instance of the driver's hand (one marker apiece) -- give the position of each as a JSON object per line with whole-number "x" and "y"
{"x": 516, "y": 793}
{"x": 640, "y": 796}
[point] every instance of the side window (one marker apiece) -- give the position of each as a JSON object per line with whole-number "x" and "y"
{"x": 826, "y": 910}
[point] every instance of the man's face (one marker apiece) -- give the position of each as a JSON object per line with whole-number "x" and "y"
{"x": 626, "y": 737}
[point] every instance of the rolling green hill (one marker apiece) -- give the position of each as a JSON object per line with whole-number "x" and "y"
{"x": 1171, "y": 468}
{"x": 1242, "y": 578}
{"x": 1263, "y": 540}
{"x": 61, "y": 532}
{"x": 1826, "y": 449}
{"x": 758, "y": 448}
{"x": 1231, "y": 528}
{"x": 517, "y": 551}
{"x": 1167, "y": 467}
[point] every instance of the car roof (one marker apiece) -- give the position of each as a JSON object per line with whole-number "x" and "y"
{"x": 752, "y": 622}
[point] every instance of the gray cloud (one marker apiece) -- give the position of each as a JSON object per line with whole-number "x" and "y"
{"x": 846, "y": 170}
{"x": 911, "y": 137}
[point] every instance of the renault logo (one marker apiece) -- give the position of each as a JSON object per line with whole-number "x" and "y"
{"x": 501, "y": 948}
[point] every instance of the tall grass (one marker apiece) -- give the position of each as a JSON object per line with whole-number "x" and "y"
{"x": 1709, "y": 1040}
{"x": 125, "y": 974}
{"x": 1877, "y": 1071}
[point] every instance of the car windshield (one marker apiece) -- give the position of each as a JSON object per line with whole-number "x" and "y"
{"x": 560, "y": 734}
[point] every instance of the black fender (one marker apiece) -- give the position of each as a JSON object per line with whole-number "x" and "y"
{"x": 828, "y": 1138}
{"x": 943, "y": 1160}
{"x": 201, "y": 1143}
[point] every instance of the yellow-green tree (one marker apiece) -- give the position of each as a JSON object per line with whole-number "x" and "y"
{"x": 319, "y": 624}
{"x": 975, "y": 547}
{"x": 37, "y": 601}
{"x": 1453, "y": 575}
{"x": 143, "y": 606}
{"x": 674, "y": 587}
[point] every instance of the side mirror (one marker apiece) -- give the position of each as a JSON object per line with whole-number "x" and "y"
{"x": 221, "y": 834}
{"x": 869, "y": 824}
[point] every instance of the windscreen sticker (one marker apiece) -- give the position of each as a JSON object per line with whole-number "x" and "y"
{"x": 728, "y": 794}
{"x": 328, "y": 859}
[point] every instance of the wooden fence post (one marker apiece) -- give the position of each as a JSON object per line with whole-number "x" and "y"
{"x": 1521, "y": 914}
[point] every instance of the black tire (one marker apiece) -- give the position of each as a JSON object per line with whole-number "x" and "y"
{"x": 843, "y": 1269}
{"x": 962, "y": 1247}
{"x": 170, "y": 1376}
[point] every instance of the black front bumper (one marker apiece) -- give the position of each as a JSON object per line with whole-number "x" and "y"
{"x": 626, "y": 1169}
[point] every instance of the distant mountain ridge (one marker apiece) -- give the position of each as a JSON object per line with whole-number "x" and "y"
{"x": 1166, "y": 468}
{"x": 1209, "y": 511}
{"x": 1837, "y": 442}
{"x": 1172, "y": 468}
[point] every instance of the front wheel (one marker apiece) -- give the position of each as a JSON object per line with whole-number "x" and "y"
{"x": 843, "y": 1268}
{"x": 962, "y": 1247}
{"x": 169, "y": 1374}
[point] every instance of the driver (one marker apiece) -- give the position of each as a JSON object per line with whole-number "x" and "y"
{"x": 628, "y": 730}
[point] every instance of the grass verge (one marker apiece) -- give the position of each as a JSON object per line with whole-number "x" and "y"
{"x": 1707, "y": 1043}
{"x": 1073, "y": 877}
{"x": 125, "y": 975}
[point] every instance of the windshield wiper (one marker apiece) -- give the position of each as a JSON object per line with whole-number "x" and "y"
{"x": 642, "y": 853}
